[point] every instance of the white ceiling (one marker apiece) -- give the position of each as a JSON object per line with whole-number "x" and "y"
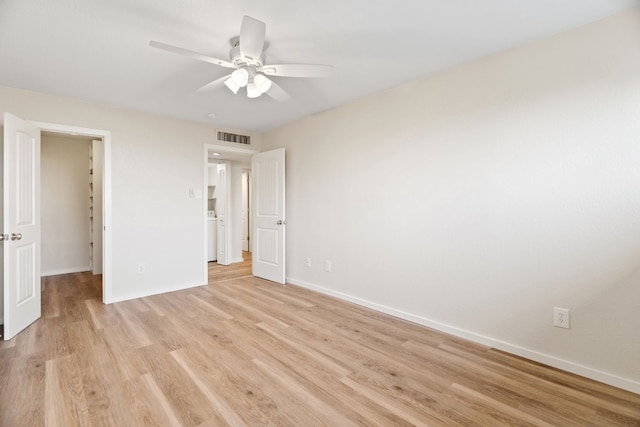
{"x": 97, "y": 50}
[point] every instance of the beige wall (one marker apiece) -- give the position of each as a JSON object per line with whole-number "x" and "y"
{"x": 476, "y": 200}
{"x": 155, "y": 161}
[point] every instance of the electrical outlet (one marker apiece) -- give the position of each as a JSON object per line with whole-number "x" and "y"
{"x": 327, "y": 266}
{"x": 561, "y": 317}
{"x": 140, "y": 268}
{"x": 307, "y": 262}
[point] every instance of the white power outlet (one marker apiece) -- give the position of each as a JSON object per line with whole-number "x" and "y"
{"x": 561, "y": 318}
{"x": 307, "y": 262}
{"x": 140, "y": 268}
{"x": 327, "y": 266}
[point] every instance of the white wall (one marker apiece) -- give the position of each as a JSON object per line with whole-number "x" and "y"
{"x": 478, "y": 199}
{"x": 155, "y": 161}
{"x": 64, "y": 204}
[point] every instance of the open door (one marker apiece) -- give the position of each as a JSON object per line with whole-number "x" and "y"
{"x": 20, "y": 224}
{"x": 267, "y": 170}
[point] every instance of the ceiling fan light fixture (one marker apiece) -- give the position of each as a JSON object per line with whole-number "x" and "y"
{"x": 253, "y": 91}
{"x": 231, "y": 85}
{"x": 240, "y": 77}
{"x": 263, "y": 84}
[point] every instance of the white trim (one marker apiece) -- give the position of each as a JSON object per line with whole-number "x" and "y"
{"x": 159, "y": 291}
{"x": 236, "y": 260}
{"x": 106, "y": 195}
{"x": 205, "y": 217}
{"x": 65, "y": 271}
{"x": 565, "y": 365}
{"x": 228, "y": 149}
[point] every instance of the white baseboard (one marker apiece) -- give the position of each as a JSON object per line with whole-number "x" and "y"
{"x": 235, "y": 260}
{"x": 156, "y": 291}
{"x": 565, "y": 365}
{"x": 65, "y": 271}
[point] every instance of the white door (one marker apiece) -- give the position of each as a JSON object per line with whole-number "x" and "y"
{"x": 21, "y": 224}
{"x": 222, "y": 210}
{"x": 267, "y": 170}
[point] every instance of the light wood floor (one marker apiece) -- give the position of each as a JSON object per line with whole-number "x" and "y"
{"x": 243, "y": 351}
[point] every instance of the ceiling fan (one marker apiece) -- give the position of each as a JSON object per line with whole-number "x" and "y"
{"x": 247, "y": 58}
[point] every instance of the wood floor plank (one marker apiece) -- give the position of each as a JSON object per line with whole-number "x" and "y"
{"x": 153, "y": 305}
{"x": 247, "y": 310}
{"x": 121, "y": 354}
{"x": 323, "y": 409}
{"x": 221, "y": 407}
{"x": 106, "y": 402}
{"x": 403, "y": 412}
{"x": 163, "y": 402}
{"x": 178, "y": 392}
{"x": 147, "y": 404}
{"x": 210, "y": 308}
{"x": 56, "y": 331}
{"x": 503, "y": 408}
{"x": 245, "y": 351}
{"x": 301, "y": 348}
{"x": 22, "y": 390}
{"x": 52, "y": 301}
{"x": 309, "y": 368}
{"x": 31, "y": 340}
{"x": 244, "y": 387}
{"x": 65, "y": 403}
{"x": 94, "y": 307}
{"x": 281, "y": 294}
{"x": 129, "y": 323}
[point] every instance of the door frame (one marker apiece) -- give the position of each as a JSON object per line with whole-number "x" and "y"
{"x": 106, "y": 195}
{"x": 225, "y": 150}
{"x": 248, "y": 201}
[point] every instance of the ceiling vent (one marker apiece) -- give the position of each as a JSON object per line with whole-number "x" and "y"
{"x": 235, "y": 138}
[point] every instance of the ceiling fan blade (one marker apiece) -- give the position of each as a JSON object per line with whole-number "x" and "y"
{"x": 214, "y": 84}
{"x": 191, "y": 54}
{"x": 252, "y": 33}
{"x": 277, "y": 93}
{"x": 298, "y": 70}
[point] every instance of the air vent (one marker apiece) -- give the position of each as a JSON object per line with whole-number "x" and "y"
{"x": 234, "y": 137}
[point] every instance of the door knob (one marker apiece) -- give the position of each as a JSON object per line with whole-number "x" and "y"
{"x": 281, "y": 222}
{"x": 4, "y": 237}
{"x": 16, "y": 236}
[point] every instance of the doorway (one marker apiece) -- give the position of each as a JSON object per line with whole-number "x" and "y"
{"x": 101, "y": 202}
{"x": 238, "y": 161}
{"x": 71, "y": 204}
